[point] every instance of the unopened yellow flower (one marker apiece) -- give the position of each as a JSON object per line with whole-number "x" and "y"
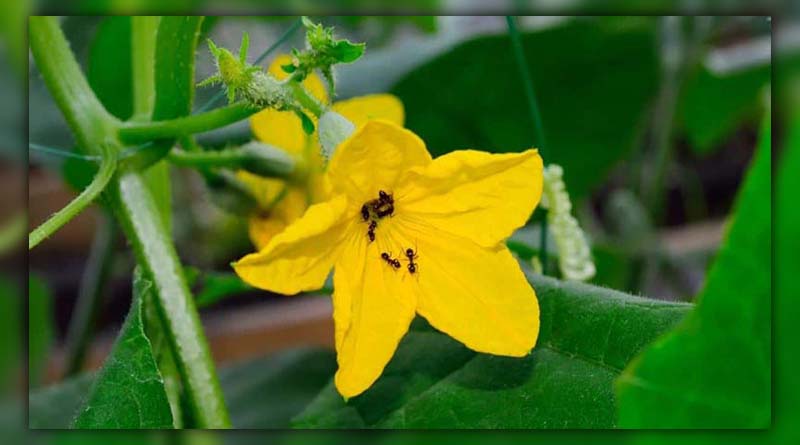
{"x": 279, "y": 202}
{"x": 454, "y": 213}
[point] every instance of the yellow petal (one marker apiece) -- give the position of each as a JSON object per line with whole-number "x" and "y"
{"x": 264, "y": 225}
{"x": 372, "y": 311}
{"x": 262, "y": 229}
{"x": 477, "y": 295}
{"x": 480, "y": 196}
{"x": 300, "y": 257}
{"x": 373, "y": 158}
{"x": 283, "y": 129}
{"x": 264, "y": 190}
{"x": 359, "y": 110}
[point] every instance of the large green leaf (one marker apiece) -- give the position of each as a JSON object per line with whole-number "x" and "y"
{"x": 129, "y": 391}
{"x": 593, "y": 80}
{"x": 262, "y": 393}
{"x": 712, "y": 105}
{"x": 713, "y": 371}
{"x": 588, "y": 335}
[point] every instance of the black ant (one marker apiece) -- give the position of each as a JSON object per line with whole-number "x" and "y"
{"x": 364, "y": 212}
{"x": 386, "y": 211}
{"x": 384, "y": 205}
{"x": 411, "y": 255}
{"x": 394, "y": 262}
{"x": 371, "y": 230}
{"x": 384, "y": 197}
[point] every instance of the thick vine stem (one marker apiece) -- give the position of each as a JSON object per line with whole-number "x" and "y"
{"x": 84, "y": 113}
{"x": 136, "y": 210}
{"x": 63, "y": 216}
{"x": 138, "y": 214}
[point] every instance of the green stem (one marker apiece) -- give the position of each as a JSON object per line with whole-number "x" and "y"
{"x": 527, "y": 81}
{"x": 533, "y": 107}
{"x": 143, "y": 47}
{"x": 136, "y": 210}
{"x": 142, "y": 223}
{"x": 63, "y": 216}
{"x": 93, "y": 283}
{"x": 229, "y": 158}
{"x": 85, "y": 114}
{"x": 261, "y": 159}
{"x": 305, "y": 98}
{"x": 138, "y": 132}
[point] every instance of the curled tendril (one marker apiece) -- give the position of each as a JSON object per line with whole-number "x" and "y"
{"x": 574, "y": 255}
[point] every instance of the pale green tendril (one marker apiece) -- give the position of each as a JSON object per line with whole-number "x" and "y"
{"x": 574, "y": 254}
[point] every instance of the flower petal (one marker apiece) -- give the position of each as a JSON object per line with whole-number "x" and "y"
{"x": 300, "y": 257}
{"x": 373, "y": 158}
{"x": 361, "y": 109}
{"x": 283, "y": 129}
{"x": 263, "y": 226}
{"x": 264, "y": 190}
{"x": 372, "y": 311}
{"x": 480, "y": 196}
{"x": 477, "y": 295}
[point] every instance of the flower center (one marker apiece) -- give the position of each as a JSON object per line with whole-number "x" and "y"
{"x": 375, "y": 210}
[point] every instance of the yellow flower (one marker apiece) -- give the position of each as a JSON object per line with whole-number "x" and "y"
{"x": 279, "y": 202}
{"x": 454, "y": 212}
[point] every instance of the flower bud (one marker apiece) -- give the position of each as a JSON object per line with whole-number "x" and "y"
{"x": 333, "y": 130}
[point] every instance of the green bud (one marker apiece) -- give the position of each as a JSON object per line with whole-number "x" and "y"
{"x": 333, "y": 130}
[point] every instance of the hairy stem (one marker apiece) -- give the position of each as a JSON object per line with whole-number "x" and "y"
{"x": 91, "y": 123}
{"x": 138, "y": 132}
{"x": 138, "y": 213}
{"x": 305, "y": 99}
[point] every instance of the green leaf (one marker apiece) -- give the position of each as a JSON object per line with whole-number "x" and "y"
{"x": 261, "y": 393}
{"x": 109, "y": 68}
{"x": 217, "y": 286}
{"x": 40, "y": 328}
{"x": 713, "y": 371}
{"x": 594, "y": 79}
{"x": 712, "y": 106}
{"x": 129, "y": 390}
{"x": 308, "y": 124}
{"x": 175, "y": 51}
{"x": 787, "y": 287}
{"x": 588, "y": 335}
{"x": 268, "y": 392}
{"x": 347, "y": 52}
